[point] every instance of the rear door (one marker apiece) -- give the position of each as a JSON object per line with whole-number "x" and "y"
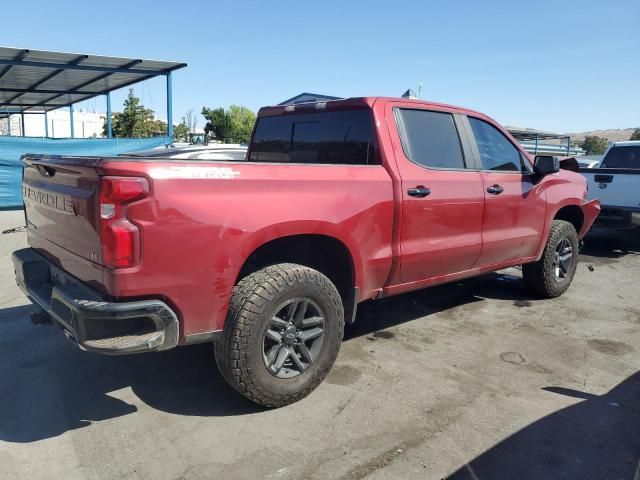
{"x": 515, "y": 206}
{"x": 442, "y": 200}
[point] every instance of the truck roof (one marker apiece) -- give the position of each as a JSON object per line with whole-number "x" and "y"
{"x": 357, "y": 102}
{"x": 627, "y": 143}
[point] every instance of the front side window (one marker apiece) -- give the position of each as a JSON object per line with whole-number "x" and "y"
{"x": 430, "y": 138}
{"x": 496, "y": 151}
{"x": 330, "y": 137}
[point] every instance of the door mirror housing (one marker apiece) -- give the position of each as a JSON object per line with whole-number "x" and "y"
{"x": 545, "y": 164}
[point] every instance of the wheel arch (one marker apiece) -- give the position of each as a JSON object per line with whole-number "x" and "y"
{"x": 568, "y": 210}
{"x": 572, "y": 214}
{"x": 323, "y": 252}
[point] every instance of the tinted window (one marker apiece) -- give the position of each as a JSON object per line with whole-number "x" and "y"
{"x": 496, "y": 152}
{"x": 430, "y": 138}
{"x": 345, "y": 137}
{"x": 622, "y": 157}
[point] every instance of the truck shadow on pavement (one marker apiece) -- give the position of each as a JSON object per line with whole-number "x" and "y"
{"x": 48, "y": 386}
{"x": 611, "y": 244}
{"x": 598, "y": 437}
{"x": 377, "y": 315}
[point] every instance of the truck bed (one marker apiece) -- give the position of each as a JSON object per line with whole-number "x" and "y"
{"x": 201, "y": 220}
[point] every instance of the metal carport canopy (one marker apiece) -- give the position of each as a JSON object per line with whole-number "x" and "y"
{"x": 39, "y": 80}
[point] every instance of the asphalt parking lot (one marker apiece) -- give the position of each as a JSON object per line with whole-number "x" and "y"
{"x": 475, "y": 379}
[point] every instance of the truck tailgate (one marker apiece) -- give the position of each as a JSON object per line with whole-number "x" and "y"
{"x": 61, "y": 197}
{"x": 614, "y": 187}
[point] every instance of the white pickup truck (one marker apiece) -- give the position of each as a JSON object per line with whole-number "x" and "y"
{"x": 616, "y": 182}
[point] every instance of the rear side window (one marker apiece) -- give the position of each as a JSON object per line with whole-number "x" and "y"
{"x": 622, "y": 157}
{"x": 337, "y": 137}
{"x": 430, "y": 138}
{"x": 496, "y": 151}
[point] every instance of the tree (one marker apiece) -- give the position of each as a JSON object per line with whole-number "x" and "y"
{"x": 242, "y": 120}
{"x": 233, "y": 125}
{"x": 635, "y": 135}
{"x": 218, "y": 120}
{"x": 157, "y": 128}
{"x": 190, "y": 120}
{"x": 594, "y": 145}
{"x": 135, "y": 120}
{"x": 181, "y": 131}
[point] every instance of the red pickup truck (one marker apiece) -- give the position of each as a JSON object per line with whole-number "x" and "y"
{"x": 336, "y": 203}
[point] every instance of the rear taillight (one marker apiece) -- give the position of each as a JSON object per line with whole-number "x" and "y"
{"x": 119, "y": 237}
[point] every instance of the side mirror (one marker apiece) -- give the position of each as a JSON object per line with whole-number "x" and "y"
{"x": 545, "y": 164}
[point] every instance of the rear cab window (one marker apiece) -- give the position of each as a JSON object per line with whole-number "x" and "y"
{"x": 622, "y": 157}
{"x": 430, "y": 138}
{"x": 343, "y": 137}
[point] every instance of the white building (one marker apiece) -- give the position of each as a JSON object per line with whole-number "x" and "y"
{"x": 85, "y": 124}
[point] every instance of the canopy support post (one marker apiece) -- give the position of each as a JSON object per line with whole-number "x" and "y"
{"x": 109, "y": 126}
{"x": 71, "y": 119}
{"x": 169, "y": 108}
{"x": 46, "y": 124}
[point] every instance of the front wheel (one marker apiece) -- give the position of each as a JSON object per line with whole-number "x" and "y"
{"x": 282, "y": 334}
{"x": 551, "y": 276}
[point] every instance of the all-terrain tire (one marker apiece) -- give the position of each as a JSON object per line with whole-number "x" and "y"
{"x": 540, "y": 277}
{"x": 239, "y": 350}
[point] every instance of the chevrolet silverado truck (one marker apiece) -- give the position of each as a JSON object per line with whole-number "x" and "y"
{"x": 337, "y": 202}
{"x": 615, "y": 181}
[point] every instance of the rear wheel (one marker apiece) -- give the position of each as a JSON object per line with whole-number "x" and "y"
{"x": 282, "y": 334}
{"x": 551, "y": 276}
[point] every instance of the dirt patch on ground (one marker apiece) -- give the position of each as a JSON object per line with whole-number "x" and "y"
{"x": 513, "y": 358}
{"x": 343, "y": 375}
{"x": 610, "y": 347}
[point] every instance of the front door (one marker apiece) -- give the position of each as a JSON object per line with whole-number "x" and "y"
{"x": 515, "y": 206}
{"x": 442, "y": 200}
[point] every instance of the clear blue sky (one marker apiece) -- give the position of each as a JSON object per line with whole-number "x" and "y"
{"x": 565, "y": 66}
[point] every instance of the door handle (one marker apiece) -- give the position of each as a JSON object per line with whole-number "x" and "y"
{"x": 603, "y": 178}
{"x": 419, "y": 191}
{"x": 495, "y": 189}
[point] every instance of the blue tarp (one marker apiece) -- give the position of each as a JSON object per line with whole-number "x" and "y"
{"x": 12, "y": 148}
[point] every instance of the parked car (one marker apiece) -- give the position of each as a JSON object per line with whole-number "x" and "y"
{"x": 589, "y": 161}
{"x": 338, "y": 202}
{"x": 616, "y": 182}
